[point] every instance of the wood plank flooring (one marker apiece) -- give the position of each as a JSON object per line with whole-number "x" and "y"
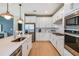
{"x": 43, "y": 48}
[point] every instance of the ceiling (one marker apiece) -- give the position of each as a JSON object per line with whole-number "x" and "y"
{"x": 42, "y": 8}
{"x": 32, "y": 8}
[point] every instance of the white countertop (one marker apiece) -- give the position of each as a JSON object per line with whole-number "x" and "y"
{"x": 7, "y": 47}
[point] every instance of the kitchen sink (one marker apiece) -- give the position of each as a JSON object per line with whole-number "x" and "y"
{"x": 19, "y": 39}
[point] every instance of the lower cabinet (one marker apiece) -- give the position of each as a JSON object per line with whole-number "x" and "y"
{"x": 58, "y": 42}
{"x": 29, "y": 45}
{"x": 26, "y": 46}
{"x": 42, "y": 36}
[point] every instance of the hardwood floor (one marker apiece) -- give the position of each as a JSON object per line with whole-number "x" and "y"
{"x": 41, "y": 48}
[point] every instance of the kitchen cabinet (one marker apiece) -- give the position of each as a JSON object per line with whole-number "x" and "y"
{"x": 60, "y": 13}
{"x": 39, "y": 21}
{"x": 76, "y": 6}
{"x": 58, "y": 43}
{"x": 48, "y": 23}
{"x": 57, "y": 16}
{"x": 30, "y": 19}
{"x": 26, "y": 46}
{"x": 70, "y": 8}
{"x": 53, "y": 40}
{"x": 29, "y": 45}
{"x": 43, "y": 22}
{"x": 42, "y": 36}
{"x": 57, "y": 22}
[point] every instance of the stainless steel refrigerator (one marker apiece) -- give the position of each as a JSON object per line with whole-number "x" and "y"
{"x": 30, "y": 29}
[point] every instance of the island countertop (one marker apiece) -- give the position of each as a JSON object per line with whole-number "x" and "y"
{"x": 7, "y": 47}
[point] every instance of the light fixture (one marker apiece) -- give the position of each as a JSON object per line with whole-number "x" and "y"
{"x": 20, "y": 20}
{"x": 7, "y": 15}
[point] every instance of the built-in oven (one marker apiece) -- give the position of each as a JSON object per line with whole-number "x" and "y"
{"x": 17, "y": 52}
{"x": 71, "y": 33}
{"x": 72, "y": 42}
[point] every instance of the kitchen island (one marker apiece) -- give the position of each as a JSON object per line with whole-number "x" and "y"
{"x": 7, "y": 47}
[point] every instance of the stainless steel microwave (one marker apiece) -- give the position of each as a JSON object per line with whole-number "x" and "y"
{"x": 73, "y": 21}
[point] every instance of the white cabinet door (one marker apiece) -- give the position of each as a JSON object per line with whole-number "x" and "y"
{"x": 30, "y": 19}
{"x": 26, "y": 46}
{"x": 54, "y": 42}
{"x": 24, "y": 49}
{"x": 42, "y": 36}
{"x": 67, "y": 8}
{"x": 75, "y": 6}
{"x": 43, "y": 22}
{"x": 60, "y": 44}
{"x": 48, "y": 22}
{"x": 29, "y": 44}
{"x": 58, "y": 15}
{"x": 61, "y": 13}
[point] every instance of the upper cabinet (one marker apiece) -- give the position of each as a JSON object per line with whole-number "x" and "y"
{"x": 58, "y": 20}
{"x": 58, "y": 15}
{"x": 41, "y": 22}
{"x": 70, "y": 8}
{"x": 76, "y": 5}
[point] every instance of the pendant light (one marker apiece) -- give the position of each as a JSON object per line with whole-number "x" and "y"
{"x": 7, "y": 15}
{"x": 20, "y": 20}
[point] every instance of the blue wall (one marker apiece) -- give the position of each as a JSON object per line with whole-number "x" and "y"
{"x": 7, "y": 25}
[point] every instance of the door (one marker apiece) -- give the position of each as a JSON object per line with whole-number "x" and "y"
{"x": 30, "y": 29}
